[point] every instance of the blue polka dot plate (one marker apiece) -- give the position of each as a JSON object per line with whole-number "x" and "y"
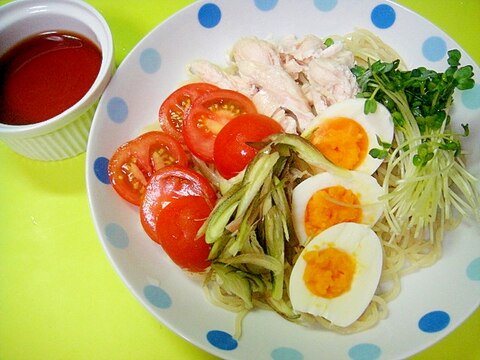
{"x": 432, "y": 302}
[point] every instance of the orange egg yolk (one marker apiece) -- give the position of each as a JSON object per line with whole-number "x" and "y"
{"x": 329, "y": 272}
{"x": 331, "y": 206}
{"x": 343, "y": 141}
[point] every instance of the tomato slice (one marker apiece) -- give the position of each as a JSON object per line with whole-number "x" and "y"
{"x": 231, "y": 151}
{"x": 166, "y": 185}
{"x": 177, "y": 228}
{"x": 172, "y": 111}
{"x": 208, "y": 115}
{"x": 133, "y": 163}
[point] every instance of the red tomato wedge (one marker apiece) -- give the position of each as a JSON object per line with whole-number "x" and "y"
{"x": 208, "y": 115}
{"x": 172, "y": 111}
{"x": 165, "y": 186}
{"x": 133, "y": 163}
{"x": 177, "y": 227}
{"x": 231, "y": 151}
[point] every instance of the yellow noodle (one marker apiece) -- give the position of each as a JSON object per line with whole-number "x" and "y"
{"x": 367, "y": 47}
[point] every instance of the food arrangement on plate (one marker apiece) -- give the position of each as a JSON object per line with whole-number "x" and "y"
{"x": 305, "y": 177}
{"x": 252, "y": 162}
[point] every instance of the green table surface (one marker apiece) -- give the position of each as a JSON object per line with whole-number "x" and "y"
{"x": 60, "y": 298}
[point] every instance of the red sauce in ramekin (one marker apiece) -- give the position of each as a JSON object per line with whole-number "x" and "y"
{"x": 44, "y": 75}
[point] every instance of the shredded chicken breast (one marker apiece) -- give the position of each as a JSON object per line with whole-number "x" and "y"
{"x": 291, "y": 81}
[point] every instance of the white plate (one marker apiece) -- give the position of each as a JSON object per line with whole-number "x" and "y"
{"x": 433, "y": 301}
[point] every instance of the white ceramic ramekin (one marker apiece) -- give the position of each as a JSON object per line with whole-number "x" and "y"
{"x": 66, "y": 134}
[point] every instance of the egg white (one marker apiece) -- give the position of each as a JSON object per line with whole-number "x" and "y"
{"x": 361, "y": 242}
{"x": 364, "y": 186}
{"x": 375, "y": 124}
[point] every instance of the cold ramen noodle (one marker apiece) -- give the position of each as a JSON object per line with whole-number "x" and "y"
{"x": 305, "y": 177}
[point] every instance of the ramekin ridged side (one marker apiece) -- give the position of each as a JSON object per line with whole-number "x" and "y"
{"x": 69, "y": 141}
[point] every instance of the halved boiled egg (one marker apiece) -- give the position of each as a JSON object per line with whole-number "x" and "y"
{"x": 337, "y": 273}
{"x": 344, "y": 134}
{"x": 324, "y": 200}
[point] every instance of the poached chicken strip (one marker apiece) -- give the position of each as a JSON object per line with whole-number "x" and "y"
{"x": 214, "y": 74}
{"x": 324, "y": 72}
{"x": 329, "y": 83}
{"x": 296, "y": 54}
{"x": 278, "y": 96}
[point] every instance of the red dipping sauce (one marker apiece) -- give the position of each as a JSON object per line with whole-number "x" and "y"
{"x": 44, "y": 75}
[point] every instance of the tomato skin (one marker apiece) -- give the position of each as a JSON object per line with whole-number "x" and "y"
{"x": 133, "y": 163}
{"x": 208, "y": 115}
{"x": 177, "y": 228}
{"x": 172, "y": 111}
{"x": 231, "y": 152}
{"x": 167, "y": 185}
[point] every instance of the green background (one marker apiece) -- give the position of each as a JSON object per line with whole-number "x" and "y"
{"x": 59, "y": 296}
